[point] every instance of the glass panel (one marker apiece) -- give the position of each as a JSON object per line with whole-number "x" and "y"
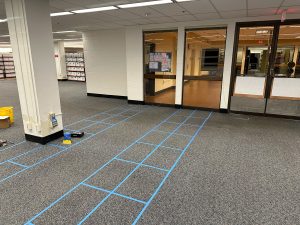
{"x": 160, "y": 55}
{"x": 204, "y": 63}
{"x": 252, "y": 66}
{"x": 285, "y": 92}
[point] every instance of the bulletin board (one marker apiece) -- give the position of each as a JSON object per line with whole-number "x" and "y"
{"x": 160, "y": 62}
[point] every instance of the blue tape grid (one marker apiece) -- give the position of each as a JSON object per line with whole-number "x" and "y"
{"x": 62, "y": 148}
{"x": 138, "y": 165}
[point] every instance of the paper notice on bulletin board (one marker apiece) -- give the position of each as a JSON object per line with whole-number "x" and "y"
{"x": 160, "y": 61}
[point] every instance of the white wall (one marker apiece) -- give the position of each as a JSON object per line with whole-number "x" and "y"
{"x": 105, "y": 60}
{"x": 60, "y": 60}
{"x": 134, "y": 58}
{"x": 113, "y": 69}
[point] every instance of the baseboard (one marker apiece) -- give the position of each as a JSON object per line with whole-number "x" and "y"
{"x": 178, "y": 106}
{"x": 44, "y": 140}
{"x": 65, "y": 79}
{"x": 106, "y": 96}
{"x": 134, "y": 102}
{"x": 223, "y": 110}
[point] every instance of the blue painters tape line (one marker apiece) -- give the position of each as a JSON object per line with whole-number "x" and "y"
{"x": 57, "y": 146}
{"x": 18, "y": 164}
{"x": 162, "y": 146}
{"x": 179, "y": 134}
{"x": 92, "y": 116}
{"x": 132, "y": 171}
{"x": 144, "y": 165}
{"x": 114, "y": 193}
{"x": 95, "y": 172}
{"x": 66, "y": 149}
{"x": 11, "y": 146}
{"x": 170, "y": 171}
{"x": 25, "y": 153}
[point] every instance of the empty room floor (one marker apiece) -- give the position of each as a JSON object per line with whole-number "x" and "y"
{"x": 150, "y": 165}
{"x": 196, "y": 93}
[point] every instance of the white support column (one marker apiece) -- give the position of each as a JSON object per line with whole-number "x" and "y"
{"x": 180, "y": 66}
{"x": 60, "y": 60}
{"x": 227, "y": 65}
{"x": 30, "y": 31}
{"x": 134, "y": 60}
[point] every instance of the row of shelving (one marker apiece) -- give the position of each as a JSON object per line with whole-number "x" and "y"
{"x": 74, "y": 62}
{"x": 7, "y": 68}
{"x": 75, "y": 66}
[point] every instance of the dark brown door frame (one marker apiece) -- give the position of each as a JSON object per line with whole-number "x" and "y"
{"x": 144, "y": 74}
{"x": 184, "y": 61}
{"x": 269, "y": 79}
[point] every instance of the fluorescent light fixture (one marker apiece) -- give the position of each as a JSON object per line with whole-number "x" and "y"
{"x": 262, "y": 31}
{"x": 95, "y": 9}
{"x": 3, "y": 20}
{"x": 140, "y": 4}
{"x": 66, "y": 31}
{"x": 61, "y": 14}
{"x": 6, "y": 35}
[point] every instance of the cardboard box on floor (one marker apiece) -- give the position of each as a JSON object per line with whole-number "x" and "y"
{"x": 4, "y": 122}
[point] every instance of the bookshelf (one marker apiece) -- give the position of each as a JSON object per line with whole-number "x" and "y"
{"x": 7, "y": 68}
{"x": 75, "y": 66}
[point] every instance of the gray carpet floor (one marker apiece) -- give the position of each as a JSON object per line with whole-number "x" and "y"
{"x": 224, "y": 169}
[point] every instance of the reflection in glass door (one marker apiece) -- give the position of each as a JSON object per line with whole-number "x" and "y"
{"x": 267, "y": 70}
{"x": 203, "y": 71}
{"x": 160, "y": 55}
{"x": 285, "y": 85}
{"x": 252, "y": 68}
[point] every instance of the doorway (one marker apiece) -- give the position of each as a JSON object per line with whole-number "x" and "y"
{"x": 266, "y": 74}
{"x": 203, "y": 67}
{"x": 160, "y": 57}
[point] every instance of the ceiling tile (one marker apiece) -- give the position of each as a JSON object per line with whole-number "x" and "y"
{"x": 290, "y": 10}
{"x": 122, "y": 14}
{"x": 259, "y": 4}
{"x": 183, "y": 18}
{"x": 207, "y": 16}
{"x": 229, "y": 5}
{"x": 262, "y": 12}
{"x": 291, "y": 3}
{"x": 169, "y": 9}
{"x": 234, "y": 14}
{"x": 142, "y": 11}
{"x": 196, "y": 7}
{"x": 164, "y": 19}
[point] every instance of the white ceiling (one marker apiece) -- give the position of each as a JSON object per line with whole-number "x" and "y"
{"x": 185, "y": 11}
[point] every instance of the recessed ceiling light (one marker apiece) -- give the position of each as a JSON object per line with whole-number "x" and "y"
{"x": 61, "y": 14}
{"x": 66, "y": 31}
{"x": 95, "y": 9}
{"x": 140, "y": 4}
{"x": 3, "y": 20}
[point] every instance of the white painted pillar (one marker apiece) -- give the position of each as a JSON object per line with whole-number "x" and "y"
{"x": 60, "y": 60}
{"x": 134, "y": 60}
{"x": 30, "y": 31}
{"x": 227, "y": 65}
{"x": 180, "y": 66}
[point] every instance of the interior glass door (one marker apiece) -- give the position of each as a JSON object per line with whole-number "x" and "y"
{"x": 160, "y": 57}
{"x": 284, "y": 98}
{"x": 252, "y": 69}
{"x": 203, "y": 70}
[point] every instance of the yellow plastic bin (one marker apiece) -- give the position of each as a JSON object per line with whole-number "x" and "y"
{"x": 8, "y": 111}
